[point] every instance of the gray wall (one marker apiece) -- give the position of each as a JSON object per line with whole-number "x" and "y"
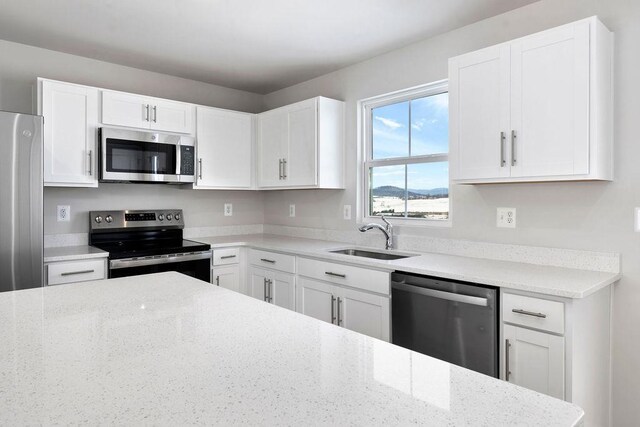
{"x": 587, "y": 215}
{"x": 20, "y": 65}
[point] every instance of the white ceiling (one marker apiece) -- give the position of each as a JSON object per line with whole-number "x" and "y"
{"x": 259, "y": 45}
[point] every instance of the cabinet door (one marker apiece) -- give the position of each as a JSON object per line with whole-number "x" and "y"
{"x": 272, "y": 143}
{"x": 535, "y": 360}
{"x": 70, "y": 134}
{"x": 125, "y": 109}
{"x": 225, "y": 145}
{"x": 227, "y": 277}
{"x": 170, "y": 116}
{"x": 301, "y": 156}
{"x": 282, "y": 290}
{"x": 257, "y": 283}
{"x": 479, "y": 113}
{"x": 316, "y": 299}
{"x": 363, "y": 312}
{"x": 550, "y": 102}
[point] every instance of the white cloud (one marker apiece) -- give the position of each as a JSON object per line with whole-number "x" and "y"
{"x": 390, "y": 123}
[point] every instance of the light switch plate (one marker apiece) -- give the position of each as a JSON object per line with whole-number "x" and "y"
{"x": 636, "y": 225}
{"x": 506, "y": 218}
{"x": 228, "y": 209}
{"x": 63, "y": 213}
{"x": 347, "y": 211}
{"x": 292, "y": 210}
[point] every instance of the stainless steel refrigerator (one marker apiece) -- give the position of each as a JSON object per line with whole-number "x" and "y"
{"x": 21, "y": 216}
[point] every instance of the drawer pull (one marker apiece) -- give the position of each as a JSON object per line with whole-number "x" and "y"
{"x": 72, "y": 273}
{"x": 228, "y": 256}
{"x": 529, "y": 313}
{"x": 270, "y": 261}
{"x": 329, "y": 273}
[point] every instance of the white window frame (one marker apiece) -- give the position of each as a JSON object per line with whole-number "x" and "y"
{"x": 365, "y": 151}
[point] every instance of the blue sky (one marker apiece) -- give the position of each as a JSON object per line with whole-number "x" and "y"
{"x": 429, "y": 131}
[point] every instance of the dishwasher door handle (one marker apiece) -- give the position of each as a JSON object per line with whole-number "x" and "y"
{"x": 450, "y": 296}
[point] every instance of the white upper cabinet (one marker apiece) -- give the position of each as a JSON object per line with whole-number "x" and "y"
{"x": 137, "y": 111}
{"x": 225, "y": 141}
{"x": 537, "y": 108}
{"x": 70, "y": 133}
{"x": 302, "y": 145}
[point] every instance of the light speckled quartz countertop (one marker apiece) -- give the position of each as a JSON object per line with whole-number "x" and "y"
{"x": 557, "y": 281}
{"x": 73, "y": 253}
{"x": 171, "y": 350}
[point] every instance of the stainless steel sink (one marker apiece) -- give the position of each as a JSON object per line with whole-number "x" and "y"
{"x": 388, "y": 256}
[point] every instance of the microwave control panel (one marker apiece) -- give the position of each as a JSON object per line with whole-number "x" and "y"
{"x": 187, "y": 159}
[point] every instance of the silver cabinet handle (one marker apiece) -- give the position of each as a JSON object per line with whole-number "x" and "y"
{"x": 227, "y": 256}
{"x": 200, "y": 168}
{"x": 284, "y": 168}
{"x": 269, "y": 289}
{"x": 155, "y": 114}
{"x": 280, "y": 169}
{"x": 264, "y": 288}
{"x": 90, "y": 162}
{"x": 529, "y": 313}
{"x": 339, "y": 319}
{"x": 146, "y": 113}
{"x": 333, "y": 311}
{"x": 72, "y": 273}
{"x": 217, "y": 280}
{"x": 503, "y": 139}
{"x": 507, "y": 370}
{"x": 270, "y": 261}
{"x": 514, "y": 137}
{"x": 329, "y": 273}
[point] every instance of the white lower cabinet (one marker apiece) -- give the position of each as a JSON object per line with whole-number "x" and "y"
{"x": 560, "y": 347}
{"x": 358, "y": 311}
{"x": 273, "y": 287}
{"x": 227, "y": 277}
{"x": 535, "y": 360}
{"x": 73, "y": 271}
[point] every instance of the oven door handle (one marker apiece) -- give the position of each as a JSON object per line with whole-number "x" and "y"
{"x": 140, "y": 262}
{"x": 450, "y": 296}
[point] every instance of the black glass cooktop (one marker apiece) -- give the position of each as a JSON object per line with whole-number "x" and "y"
{"x": 141, "y": 248}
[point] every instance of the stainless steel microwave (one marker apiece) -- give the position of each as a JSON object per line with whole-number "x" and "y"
{"x": 137, "y": 156}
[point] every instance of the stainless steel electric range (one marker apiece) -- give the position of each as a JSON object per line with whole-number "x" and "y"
{"x": 144, "y": 242}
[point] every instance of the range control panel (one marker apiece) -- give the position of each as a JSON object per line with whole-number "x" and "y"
{"x": 129, "y": 219}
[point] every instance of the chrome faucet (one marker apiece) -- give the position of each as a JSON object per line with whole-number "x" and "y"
{"x": 388, "y": 231}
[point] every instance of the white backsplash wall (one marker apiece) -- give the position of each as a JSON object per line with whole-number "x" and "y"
{"x": 592, "y": 216}
{"x": 202, "y": 208}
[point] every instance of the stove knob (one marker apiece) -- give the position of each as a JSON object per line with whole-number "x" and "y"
{"x": 108, "y": 218}
{"x": 169, "y": 217}
{"x": 160, "y": 217}
{"x": 177, "y": 217}
{"x": 98, "y": 219}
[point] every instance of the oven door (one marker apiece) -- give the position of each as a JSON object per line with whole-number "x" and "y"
{"x": 195, "y": 265}
{"x": 139, "y": 156}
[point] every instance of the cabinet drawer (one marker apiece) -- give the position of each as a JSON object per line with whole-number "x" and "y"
{"x": 226, "y": 256}
{"x": 355, "y": 277}
{"x": 75, "y": 271}
{"x": 281, "y": 262}
{"x": 536, "y": 313}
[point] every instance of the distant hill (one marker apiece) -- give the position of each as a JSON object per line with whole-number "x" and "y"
{"x": 392, "y": 191}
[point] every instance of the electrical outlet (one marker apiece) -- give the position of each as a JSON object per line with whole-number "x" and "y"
{"x": 228, "y": 209}
{"x": 292, "y": 210}
{"x": 347, "y": 212}
{"x": 506, "y": 217}
{"x": 64, "y": 211}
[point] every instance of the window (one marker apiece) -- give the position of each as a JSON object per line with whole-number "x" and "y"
{"x": 406, "y": 154}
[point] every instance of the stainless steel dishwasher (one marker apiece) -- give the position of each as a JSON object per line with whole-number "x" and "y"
{"x": 452, "y": 321}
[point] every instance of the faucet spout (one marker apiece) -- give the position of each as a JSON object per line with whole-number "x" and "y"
{"x": 387, "y": 231}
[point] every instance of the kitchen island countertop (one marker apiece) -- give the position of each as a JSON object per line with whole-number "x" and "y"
{"x": 169, "y": 349}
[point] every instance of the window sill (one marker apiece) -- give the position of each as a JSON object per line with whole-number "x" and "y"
{"x": 409, "y": 222}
